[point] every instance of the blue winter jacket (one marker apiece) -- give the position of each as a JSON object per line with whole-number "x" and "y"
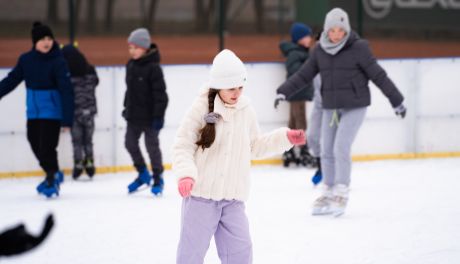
{"x": 49, "y": 91}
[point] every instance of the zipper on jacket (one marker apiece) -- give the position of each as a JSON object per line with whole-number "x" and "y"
{"x": 37, "y": 111}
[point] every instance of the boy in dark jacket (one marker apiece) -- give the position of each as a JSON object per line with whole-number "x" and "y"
{"x": 144, "y": 108}
{"x": 84, "y": 80}
{"x": 49, "y": 101}
{"x": 296, "y": 52}
{"x": 346, "y": 64}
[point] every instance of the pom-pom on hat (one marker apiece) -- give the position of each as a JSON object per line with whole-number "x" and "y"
{"x": 227, "y": 71}
{"x": 40, "y": 31}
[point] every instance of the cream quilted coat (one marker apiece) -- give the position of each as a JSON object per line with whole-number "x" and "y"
{"x": 222, "y": 171}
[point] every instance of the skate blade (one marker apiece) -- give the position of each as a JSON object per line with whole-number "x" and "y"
{"x": 321, "y": 211}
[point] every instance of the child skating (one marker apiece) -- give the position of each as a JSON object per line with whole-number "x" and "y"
{"x": 84, "y": 81}
{"x": 49, "y": 100}
{"x": 212, "y": 156}
{"x": 144, "y": 109}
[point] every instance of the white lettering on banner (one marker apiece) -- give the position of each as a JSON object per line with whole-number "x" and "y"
{"x": 379, "y": 9}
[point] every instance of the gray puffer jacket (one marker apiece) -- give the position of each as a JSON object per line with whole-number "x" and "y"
{"x": 345, "y": 76}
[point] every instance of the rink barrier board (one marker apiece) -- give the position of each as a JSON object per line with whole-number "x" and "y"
{"x": 358, "y": 158}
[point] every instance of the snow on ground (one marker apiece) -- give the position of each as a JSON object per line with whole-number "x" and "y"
{"x": 399, "y": 212}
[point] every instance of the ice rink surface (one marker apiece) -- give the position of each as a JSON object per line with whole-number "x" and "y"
{"x": 400, "y": 212}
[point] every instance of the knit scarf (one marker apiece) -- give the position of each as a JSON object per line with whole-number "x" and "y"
{"x": 329, "y": 47}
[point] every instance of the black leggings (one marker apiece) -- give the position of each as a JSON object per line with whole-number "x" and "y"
{"x": 43, "y": 136}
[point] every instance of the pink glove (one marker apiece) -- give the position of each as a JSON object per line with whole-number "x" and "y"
{"x": 296, "y": 136}
{"x": 185, "y": 186}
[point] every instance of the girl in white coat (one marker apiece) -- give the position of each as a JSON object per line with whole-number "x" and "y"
{"x": 212, "y": 156}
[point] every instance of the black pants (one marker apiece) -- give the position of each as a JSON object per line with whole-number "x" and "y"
{"x": 43, "y": 136}
{"x": 152, "y": 144}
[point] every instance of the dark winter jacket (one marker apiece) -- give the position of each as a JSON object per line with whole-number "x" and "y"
{"x": 49, "y": 91}
{"x": 146, "y": 98}
{"x": 345, "y": 76}
{"x": 296, "y": 55}
{"x": 84, "y": 81}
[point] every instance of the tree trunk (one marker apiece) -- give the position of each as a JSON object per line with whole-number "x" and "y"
{"x": 91, "y": 16}
{"x": 260, "y": 15}
{"x": 52, "y": 16}
{"x": 109, "y": 14}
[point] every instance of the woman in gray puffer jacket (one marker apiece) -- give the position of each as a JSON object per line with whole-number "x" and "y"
{"x": 345, "y": 64}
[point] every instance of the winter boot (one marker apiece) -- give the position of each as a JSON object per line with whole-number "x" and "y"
{"x": 77, "y": 169}
{"x": 143, "y": 178}
{"x": 322, "y": 205}
{"x": 289, "y": 157}
{"x": 158, "y": 184}
{"x": 340, "y": 199}
{"x": 306, "y": 159}
{"x": 50, "y": 186}
{"x": 89, "y": 167}
{"x": 318, "y": 176}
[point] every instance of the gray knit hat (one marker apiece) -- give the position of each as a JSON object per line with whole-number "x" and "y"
{"x": 337, "y": 17}
{"x": 140, "y": 37}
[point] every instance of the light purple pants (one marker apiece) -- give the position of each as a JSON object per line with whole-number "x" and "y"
{"x": 226, "y": 220}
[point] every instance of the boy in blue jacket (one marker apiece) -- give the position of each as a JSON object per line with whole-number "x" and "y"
{"x": 49, "y": 101}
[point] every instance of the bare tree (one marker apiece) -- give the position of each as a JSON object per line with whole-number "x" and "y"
{"x": 204, "y": 9}
{"x": 148, "y": 18}
{"x": 91, "y": 16}
{"x": 52, "y": 16}
{"x": 110, "y": 4}
{"x": 260, "y": 15}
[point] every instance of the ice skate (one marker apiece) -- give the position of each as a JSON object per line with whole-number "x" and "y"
{"x": 77, "y": 169}
{"x": 143, "y": 178}
{"x": 306, "y": 159}
{"x": 50, "y": 186}
{"x": 158, "y": 185}
{"x": 340, "y": 200}
{"x": 58, "y": 177}
{"x": 322, "y": 205}
{"x": 317, "y": 177}
{"x": 89, "y": 167}
{"x": 290, "y": 157}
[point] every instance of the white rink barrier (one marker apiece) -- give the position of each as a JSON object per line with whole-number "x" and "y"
{"x": 430, "y": 86}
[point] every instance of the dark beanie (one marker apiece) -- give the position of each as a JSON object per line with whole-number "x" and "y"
{"x": 40, "y": 31}
{"x": 78, "y": 65}
{"x": 298, "y": 31}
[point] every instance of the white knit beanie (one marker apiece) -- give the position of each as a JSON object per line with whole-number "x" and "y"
{"x": 337, "y": 17}
{"x": 227, "y": 71}
{"x": 140, "y": 37}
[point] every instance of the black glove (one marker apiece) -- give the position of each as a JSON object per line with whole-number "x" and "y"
{"x": 16, "y": 240}
{"x": 158, "y": 123}
{"x": 400, "y": 111}
{"x": 279, "y": 98}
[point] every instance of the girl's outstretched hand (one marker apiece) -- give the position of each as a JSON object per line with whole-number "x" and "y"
{"x": 296, "y": 136}
{"x": 185, "y": 186}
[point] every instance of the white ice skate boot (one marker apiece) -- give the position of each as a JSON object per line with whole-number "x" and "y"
{"x": 322, "y": 205}
{"x": 339, "y": 200}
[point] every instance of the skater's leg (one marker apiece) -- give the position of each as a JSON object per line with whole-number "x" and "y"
{"x": 198, "y": 224}
{"x": 152, "y": 144}
{"x": 49, "y": 139}
{"x": 88, "y": 145}
{"x": 133, "y": 133}
{"x": 77, "y": 144}
{"x": 350, "y": 122}
{"x": 328, "y": 136}
{"x": 233, "y": 240}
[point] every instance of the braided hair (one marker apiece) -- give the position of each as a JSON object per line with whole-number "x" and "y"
{"x": 208, "y": 132}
